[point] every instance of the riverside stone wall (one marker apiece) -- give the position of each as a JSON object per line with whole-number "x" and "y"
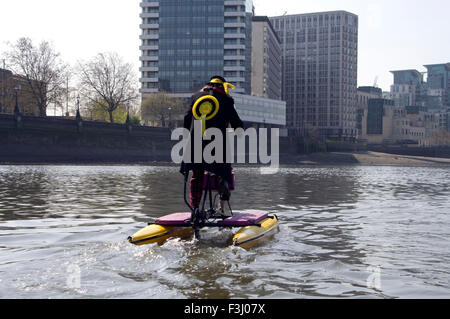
{"x": 45, "y": 139}
{"x": 31, "y": 139}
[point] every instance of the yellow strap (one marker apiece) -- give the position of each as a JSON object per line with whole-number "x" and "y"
{"x": 228, "y": 86}
{"x": 203, "y": 118}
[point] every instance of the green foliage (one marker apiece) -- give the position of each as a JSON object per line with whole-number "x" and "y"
{"x": 100, "y": 113}
{"x": 161, "y": 107}
{"x": 135, "y": 120}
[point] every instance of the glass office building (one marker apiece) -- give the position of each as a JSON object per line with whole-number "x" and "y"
{"x": 259, "y": 110}
{"x": 185, "y": 42}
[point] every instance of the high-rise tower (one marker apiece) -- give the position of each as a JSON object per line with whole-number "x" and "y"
{"x": 185, "y": 42}
{"x": 319, "y": 81}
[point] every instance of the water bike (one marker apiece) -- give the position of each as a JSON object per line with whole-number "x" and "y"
{"x": 253, "y": 225}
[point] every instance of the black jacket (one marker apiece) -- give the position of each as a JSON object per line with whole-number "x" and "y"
{"x": 225, "y": 117}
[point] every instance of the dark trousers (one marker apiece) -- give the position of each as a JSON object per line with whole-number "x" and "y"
{"x": 196, "y": 186}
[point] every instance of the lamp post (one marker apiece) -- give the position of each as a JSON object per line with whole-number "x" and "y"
{"x": 78, "y": 107}
{"x": 67, "y": 97}
{"x": 16, "y": 95}
{"x": 17, "y": 115}
{"x": 170, "y": 120}
{"x": 4, "y": 86}
{"x": 127, "y": 121}
{"x": 78, "y": 118}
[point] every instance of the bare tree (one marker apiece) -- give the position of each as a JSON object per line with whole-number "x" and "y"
{"x": 106, "y": 78}
{"x": 162, "y": 107}
{"x": 42, "y": 69}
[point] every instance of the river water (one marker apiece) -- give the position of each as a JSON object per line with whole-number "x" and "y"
{"x": 345, "y": 232}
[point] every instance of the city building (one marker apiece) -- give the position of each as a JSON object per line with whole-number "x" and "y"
{"x": 384, "y": 123}
{"x": 254, "y": 110}
{"x": 438, "y": 82}
{"x": 364, "y": 94}
{"x": 186, "y": 42}
{"x": 12, "y": 86}
{"x": 443, "y": 117}
{"x": 407, "y": 87}
{"x": 266, "y": 59}
{"x": 415, "y": 112}
{"x": 410, "y": 88}
{"x": 319, "y": 82}
{"x": 377, "y": 123}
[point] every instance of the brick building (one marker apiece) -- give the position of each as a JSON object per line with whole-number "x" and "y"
{"x": 12, "y": 84}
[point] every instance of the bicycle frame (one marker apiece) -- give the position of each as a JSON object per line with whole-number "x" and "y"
{"x": 199, "y": 217}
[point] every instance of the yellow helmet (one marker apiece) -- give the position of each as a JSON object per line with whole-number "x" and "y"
{"x": 220, "y": 80}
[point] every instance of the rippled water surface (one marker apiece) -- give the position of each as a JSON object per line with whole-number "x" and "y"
{"x": 351, "y": 231}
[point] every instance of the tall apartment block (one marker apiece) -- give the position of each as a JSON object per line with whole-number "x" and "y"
{"x": 185, "y": 42}
{"x": 266, "y": 59}
{"x": 319, "y": 80}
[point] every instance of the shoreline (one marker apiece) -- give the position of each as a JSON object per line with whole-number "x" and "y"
{"x": 369, "y": 158}
{"x": 313, "y": 159}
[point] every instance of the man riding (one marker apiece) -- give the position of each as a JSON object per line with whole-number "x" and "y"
{"x": 226, "y": 115}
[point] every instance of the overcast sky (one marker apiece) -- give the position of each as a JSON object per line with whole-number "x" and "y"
{"x": 393, "y": 34}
